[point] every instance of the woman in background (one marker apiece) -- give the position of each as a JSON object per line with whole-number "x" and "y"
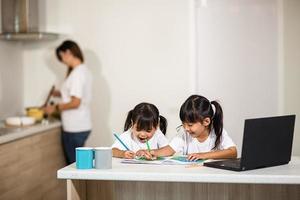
{"x": 75, "y": 96}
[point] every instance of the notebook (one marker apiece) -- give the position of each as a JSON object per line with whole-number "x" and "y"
{"x": 174, "y": 160}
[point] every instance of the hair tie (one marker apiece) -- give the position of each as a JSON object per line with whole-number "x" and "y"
{"x": 214, "y": 109}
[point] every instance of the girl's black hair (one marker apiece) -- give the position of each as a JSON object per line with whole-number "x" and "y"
{"x": 196, "y": 108}
{"x": 73, "y": 48}
{"x": 145, "y": 116}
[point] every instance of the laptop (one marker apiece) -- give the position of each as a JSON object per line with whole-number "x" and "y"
{"x": 267, "y": 142}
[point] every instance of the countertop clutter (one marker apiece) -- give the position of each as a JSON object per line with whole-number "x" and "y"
{"x": 19, "y": 121}
{"x": 8, "y": 134}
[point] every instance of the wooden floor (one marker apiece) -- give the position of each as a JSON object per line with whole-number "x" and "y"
{"x": 117, "y": 190}
{"x": 28, "y": 167}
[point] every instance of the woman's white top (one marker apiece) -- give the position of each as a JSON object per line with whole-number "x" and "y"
{"x": 158, "y": 140}
{"x": 184, "y": 143}
{"x": 78, "y": 84}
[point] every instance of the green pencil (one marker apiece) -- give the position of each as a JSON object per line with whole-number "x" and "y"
{"x": 148, "y": 146}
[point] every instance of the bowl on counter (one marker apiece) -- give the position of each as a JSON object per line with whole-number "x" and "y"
{"x": 35, "y": 112}
{"x": 19, "y": 121}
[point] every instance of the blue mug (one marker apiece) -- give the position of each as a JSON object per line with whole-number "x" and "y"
{"x": 84, "y": 157}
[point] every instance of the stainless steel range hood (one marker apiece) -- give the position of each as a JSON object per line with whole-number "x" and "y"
{"x": 20, "y": 21}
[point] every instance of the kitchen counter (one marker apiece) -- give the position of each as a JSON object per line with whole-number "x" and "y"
{"x": 11, "y": 134}
{"x": 30, "y": 158}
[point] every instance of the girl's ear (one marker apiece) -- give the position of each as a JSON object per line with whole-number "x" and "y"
{"x": 206, "y": 121}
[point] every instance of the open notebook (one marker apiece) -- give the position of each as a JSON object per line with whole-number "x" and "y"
{"x": 174, "y": 160}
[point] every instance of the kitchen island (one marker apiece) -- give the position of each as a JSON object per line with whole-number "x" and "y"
{"x": 140, "y": 181}
{"x": 30, "y": 157}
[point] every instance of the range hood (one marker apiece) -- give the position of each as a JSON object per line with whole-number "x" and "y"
{"x": 20, "y": 21}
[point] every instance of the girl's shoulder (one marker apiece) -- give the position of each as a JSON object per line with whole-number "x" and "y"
{"x": 159, "y": 134}
{"x": 224, "y": 134}
{"x": 225, "y": 138}
{"x": 213, "y": 133}
{"x": 126, "y": 134}
{"x": 182, "y": 134}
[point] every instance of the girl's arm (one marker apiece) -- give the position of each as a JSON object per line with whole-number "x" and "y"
{"x": 153, "y": 154}
{"x": 122, "y": 154}
{"x": 164, "y": 151}
{"x": 231, "y": 152}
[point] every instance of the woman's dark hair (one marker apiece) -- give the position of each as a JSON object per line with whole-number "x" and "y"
{"x": 73, "y": 48}
{"x": 145, "y": 116}
{"x": 196, "y": 108}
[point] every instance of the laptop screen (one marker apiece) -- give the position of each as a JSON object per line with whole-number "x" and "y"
{"x": 267, "y": 141}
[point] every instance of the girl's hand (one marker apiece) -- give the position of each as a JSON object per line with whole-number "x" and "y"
{"x": 153, "y": 154}
{"x": 196, "y": 156}
{"x": 141, "y": 153}
{"x": 150, "y": 155}
{"x": 146, "y": 154}
{"x": 129, "y": 154}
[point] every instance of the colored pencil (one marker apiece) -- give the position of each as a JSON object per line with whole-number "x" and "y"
{"x": 119, "y": 139}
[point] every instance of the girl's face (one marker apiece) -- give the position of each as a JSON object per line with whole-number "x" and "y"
{"x": 143, "y": 135}
{"x": 197, "y": 129}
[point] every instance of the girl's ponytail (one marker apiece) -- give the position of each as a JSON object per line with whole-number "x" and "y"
{"x": 163, "y": 124}
{"x": 128, "y": 122}
{"x": 217, "y": 122}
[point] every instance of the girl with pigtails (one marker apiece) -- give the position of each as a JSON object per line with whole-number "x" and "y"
{"x": 144, "y": 127}
{"x": 201, "y": 135}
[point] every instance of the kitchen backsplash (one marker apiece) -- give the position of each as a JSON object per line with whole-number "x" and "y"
{"x": 11, "y": 79}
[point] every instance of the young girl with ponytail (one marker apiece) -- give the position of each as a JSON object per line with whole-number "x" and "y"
{"x": 143, "y": 125}
{"x": 201, "y": 135}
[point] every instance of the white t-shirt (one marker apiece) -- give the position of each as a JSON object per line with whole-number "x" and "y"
{"x": 77, "y": 84}
{"x": 184, "y": 143}
{"x": 158, "y": 140}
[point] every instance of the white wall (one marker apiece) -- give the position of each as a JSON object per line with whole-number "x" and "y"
{"x": 291, "y": 18}
{"x": 238, "y": 59}
{"x": 138, "y": 50}
{"x": 141, "y": 50}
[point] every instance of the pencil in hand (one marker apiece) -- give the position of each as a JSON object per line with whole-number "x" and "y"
{"x": 149, "y": 150}
{"x": 119, "y": 139}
